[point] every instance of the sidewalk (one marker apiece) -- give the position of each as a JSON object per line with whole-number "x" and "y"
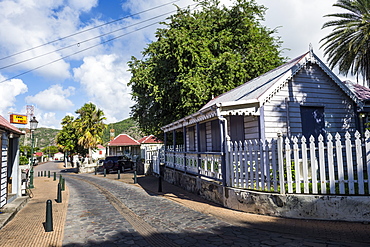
{"x": 26, "y": 229}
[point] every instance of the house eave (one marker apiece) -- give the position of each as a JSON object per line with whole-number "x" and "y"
{"x": 242, "y": 107}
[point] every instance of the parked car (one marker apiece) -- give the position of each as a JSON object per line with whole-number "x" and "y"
{"x": 115, "y": 163}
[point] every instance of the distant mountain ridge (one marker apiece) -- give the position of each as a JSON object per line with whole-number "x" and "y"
{"x": 45, "y": 137}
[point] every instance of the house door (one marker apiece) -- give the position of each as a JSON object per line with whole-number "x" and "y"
{"x": 313, "y": 122}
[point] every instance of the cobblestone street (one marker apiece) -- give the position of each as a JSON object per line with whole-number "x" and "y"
{"x": 152, "y": 220}
{"x": 106, "y": 211}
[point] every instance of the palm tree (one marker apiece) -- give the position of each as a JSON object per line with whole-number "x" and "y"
{"x": 348, "y": 45}
{"x": 90, "y": 126}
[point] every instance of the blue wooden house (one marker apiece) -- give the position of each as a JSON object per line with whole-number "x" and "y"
{"x": 302, "y": 97}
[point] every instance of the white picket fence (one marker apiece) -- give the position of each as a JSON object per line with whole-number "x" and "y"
{"x": 293, "y": 165}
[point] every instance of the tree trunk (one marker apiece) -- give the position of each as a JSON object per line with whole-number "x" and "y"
{"x": 90, "y": 155}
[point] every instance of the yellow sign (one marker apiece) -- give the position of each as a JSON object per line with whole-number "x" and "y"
{"x": 18, "y": 119}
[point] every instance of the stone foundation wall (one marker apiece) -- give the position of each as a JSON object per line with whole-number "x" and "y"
{"x": 346, "y": 208}
{"x": 86, "y": 168}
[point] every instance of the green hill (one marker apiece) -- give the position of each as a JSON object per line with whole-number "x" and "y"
{"x": 127, "y": 126}
{"x": 45, "y": 137}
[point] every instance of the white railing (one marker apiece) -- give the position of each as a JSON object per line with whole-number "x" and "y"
{"x": 204, "y": 164}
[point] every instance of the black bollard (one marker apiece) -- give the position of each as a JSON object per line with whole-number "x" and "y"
{"x": 63, "y": 184}
{"x": 119, "y": 174}
{"x": 105, "y": 172}
{"x": 48, "y": 174}
{"x": 49, "y": 217}
{"x": 60, "y": 177}
{"x": 59, "y": 193}
{"x": 160, "y": 179}
{"x": 38, "y": 174}
{"x": 159, "y": 184}
{"x": 44, "y": 173}
{"x": 96, "y": 170}
{"x": 55, "y": 176}
{"x": 135, "y": 177}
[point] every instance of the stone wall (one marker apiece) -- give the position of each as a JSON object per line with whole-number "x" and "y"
{"x": 86, "y": 168}
{"x": 323, "y": 207}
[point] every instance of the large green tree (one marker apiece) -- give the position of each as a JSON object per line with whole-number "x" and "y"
{"x": 89, "y": 124}
{"x": 348, "y": 45}
{"x": 198, "y": 55}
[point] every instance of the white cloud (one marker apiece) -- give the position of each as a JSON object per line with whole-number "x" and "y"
{"x": 300, "y": 23}
{"x": 54, "y": 98}
{"x": 105, "y": 78}
{"x": 82, "y": 5}
{"x": 8, "y": 92}
{"x": 27, "y": 24}
{"x": 49, "y": 119}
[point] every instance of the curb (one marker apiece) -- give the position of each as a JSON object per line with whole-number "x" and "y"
{"x": 8, "y": 212}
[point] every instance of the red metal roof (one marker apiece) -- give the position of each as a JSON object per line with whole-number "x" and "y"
{"x": 39, "y": 154}
{"x": 149, "y": 139}
{"x": 100, "y": 146}
{"x": 4, "y": 124}
{"x": 123, "y": 140}
{"x": 363, "y": 93}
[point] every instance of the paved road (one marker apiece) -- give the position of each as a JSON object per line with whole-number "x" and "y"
{"x": 104, "y": 212}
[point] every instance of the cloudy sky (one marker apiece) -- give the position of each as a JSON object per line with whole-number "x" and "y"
{"x": 58, "y": 55}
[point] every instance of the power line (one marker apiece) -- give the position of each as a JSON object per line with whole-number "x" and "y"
{"x": 88, "y": 48}
{"x": 84, "y": 41}
{"x": 83, "y": 31}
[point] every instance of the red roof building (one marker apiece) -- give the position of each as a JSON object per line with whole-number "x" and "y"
{"x": 151, "y": 139}
{"x": 9, "y": 167}
{"x": 123, "y": 140}
{"x": 123, "y": 144}
{"x": 4, "y": 124}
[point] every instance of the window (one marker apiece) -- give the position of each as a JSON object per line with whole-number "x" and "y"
{"x": 237, "y": 128}
{"x": 191, "y": 135}
{"x": 216, "y": 135}
{"x": 202, "y": 138}
{"x": 313, "y": 122}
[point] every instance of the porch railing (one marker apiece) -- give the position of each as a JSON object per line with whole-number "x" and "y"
{"x": 197, "y": 163}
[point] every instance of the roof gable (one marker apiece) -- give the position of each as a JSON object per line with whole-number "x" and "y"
{"x": 123, "y": 140}
{"x": 264, "y": 87}
{"x": 250, "y": 96}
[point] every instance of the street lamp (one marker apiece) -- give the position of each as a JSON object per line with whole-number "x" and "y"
{"x": 33, "y": 127}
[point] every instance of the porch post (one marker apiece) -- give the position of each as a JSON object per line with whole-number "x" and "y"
{"x": 174, "y": 147}
{"x": 174, "y": 139}
{"x": 198, "y": 148}
{"x": 185, "y": 146}
{"x": 224, "y": 151}
{"x": 165, "y": 147}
